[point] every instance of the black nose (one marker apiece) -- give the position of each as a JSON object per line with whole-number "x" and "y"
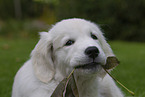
{"x": 92, "y": 52}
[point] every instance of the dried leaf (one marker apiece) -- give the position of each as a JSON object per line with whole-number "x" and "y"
{"x": 58, "y": 92}
{"x": 111, "y": 62}
{"x": 66, "y": 88}
{"x": 6, "y": 46}
{"x": 74, "y": 87}
{"x": 71, "y": 90}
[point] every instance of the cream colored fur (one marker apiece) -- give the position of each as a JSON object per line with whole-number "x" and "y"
{"x": 51, "y": 61}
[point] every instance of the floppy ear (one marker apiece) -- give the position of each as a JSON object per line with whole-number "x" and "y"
{"x": 106, "y": 47}
{"x": 111, "y": 60}
{"x": 42, "y": 60}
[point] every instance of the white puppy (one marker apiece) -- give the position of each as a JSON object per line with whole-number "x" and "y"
{"x": 70, "y": 43}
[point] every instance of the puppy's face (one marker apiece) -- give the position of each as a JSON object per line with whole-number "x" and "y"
{"x": 72, "y": 43}
{"x": 77, "y": 44}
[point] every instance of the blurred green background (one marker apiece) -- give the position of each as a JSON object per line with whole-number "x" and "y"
{"x": 122, "y": 21}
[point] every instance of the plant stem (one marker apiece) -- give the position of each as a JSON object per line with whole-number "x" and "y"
{"x": 132, "y": 93}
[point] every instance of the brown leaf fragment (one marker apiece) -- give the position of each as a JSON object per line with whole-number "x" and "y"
{"x": 6, "y": 46}
{"x": 74, "y": 87}
{"x": 58, "y": 92}
{"x": 111, "y": 62}
{"x": 66, "y": 88}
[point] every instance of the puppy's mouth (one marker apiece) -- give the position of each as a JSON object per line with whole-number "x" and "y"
{"x": 91, "y": 65}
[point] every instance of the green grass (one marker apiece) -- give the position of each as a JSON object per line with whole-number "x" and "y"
{"x": 13, "y": 53}
{"x": 131, "y": 69}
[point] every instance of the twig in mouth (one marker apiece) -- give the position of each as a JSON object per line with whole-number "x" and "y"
{"x": 71, "y": 73}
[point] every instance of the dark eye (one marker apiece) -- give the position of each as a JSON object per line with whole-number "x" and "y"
{"x": 69, "y": 42}
{"x": 93, "y": 36}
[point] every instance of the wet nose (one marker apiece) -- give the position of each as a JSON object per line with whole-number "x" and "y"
{"x": 92, "y": 52}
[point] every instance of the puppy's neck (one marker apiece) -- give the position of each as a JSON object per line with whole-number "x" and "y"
{"x": 87, "y": 85}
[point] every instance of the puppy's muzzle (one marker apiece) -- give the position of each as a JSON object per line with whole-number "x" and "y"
{"x": 92, "y": 52}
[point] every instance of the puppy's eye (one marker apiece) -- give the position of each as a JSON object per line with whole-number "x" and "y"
{"x": 93, "y": 36}
{"x": 69, "y": 42}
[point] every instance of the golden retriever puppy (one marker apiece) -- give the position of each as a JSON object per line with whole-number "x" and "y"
{"x": 71, "y": 43}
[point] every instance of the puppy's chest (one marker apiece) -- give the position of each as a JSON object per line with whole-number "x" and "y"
{"x": 89, "y": 93}
{"x": 88, "y": 90}
{"x": 93, "y": 93}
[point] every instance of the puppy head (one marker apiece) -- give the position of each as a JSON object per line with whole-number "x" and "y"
{"x": 80, "y": 43}
{"x": 71, "y": 43}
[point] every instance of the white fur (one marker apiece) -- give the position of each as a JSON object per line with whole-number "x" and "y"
{"x": 51, "y": 61}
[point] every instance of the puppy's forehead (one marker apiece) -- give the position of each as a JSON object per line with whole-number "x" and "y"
{"x": 75, "y": 26}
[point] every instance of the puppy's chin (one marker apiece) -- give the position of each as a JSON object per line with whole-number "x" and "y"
{"x": 88, "y": 69}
